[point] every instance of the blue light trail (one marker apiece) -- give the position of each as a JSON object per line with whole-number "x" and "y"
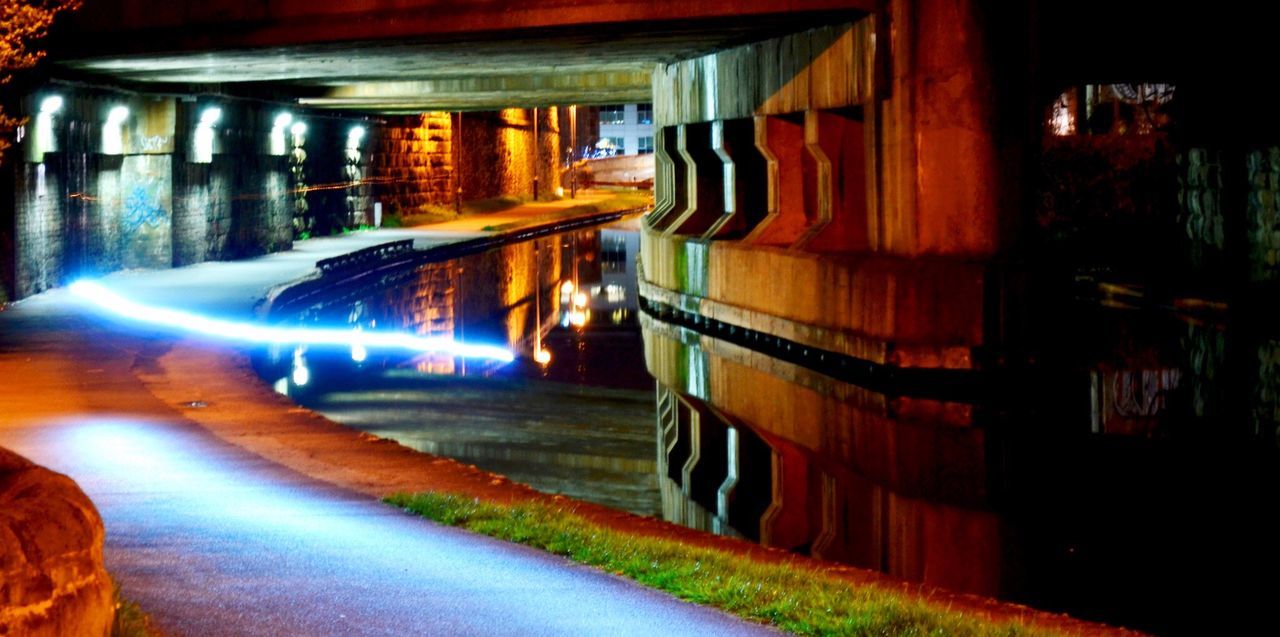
{"x": 253, "y": 333}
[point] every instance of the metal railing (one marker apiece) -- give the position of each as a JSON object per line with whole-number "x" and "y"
{"x": 371, "y": 255}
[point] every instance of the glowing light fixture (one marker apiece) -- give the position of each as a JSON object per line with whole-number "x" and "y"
{"x": 355, "y": 136}
{"x": 301, "y": 375}
{"x": 204, "y": 135}
{"x": 278, "y": 146}
{"x": 51, "y": 104}
{"x": 253, "y": 333}
{"x": 567, "y": 287}
{"x": 542, "y": 357}
{"x": 580, "y": 299}
{"x": 359, "y": 353}
{"x": 43, "y": 141}
{"x": 298, "y": 128}
{"x": 210, "y": 116}
{"x": 112, "y": 133}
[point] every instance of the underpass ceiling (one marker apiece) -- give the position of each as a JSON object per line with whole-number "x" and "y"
{"x": 591, "y": 64}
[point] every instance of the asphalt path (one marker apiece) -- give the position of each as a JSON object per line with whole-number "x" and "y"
{"x": 214, "y": 540}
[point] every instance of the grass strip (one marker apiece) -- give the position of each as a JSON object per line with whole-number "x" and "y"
{"x": 623, "y": 200}
{"x": 790, "y": 596}
{"x": 436, "y": 213}
{"x": 130, "y": 620}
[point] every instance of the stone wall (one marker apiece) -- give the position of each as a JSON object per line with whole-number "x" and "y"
{"x": 498, "y": 153}
{"x": 52, "y": 578}
{"x": 79, "y": 209}
{"x": 413, "y": 159}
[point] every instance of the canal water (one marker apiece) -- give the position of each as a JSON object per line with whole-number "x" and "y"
{"x": 580, "y": 424}
{"x": 1131, "y": 477}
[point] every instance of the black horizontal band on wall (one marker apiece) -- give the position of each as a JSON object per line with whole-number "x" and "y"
{"x": 950, "y": 385}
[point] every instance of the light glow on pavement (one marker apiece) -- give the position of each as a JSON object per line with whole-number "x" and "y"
{"x": 108, "y": 300}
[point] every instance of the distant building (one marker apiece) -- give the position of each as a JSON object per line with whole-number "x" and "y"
{"x": 625, "y": 129}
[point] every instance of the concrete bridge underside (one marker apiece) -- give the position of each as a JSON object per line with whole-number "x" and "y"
{"x": 425, "y": 54}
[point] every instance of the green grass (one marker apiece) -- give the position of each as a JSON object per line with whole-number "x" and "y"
{"x": 130, "y": 620}
{"x": 791, "y": 596}
{"x": 623, "y": 200}
{"x": 436, "y": 213}
{"x": 429, "y": 214}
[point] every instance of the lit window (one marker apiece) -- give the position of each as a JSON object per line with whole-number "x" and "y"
{"x": 645, "y": 145}
{"x": 613, "y": 115}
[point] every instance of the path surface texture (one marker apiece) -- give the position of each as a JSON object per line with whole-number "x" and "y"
{"x": 214, "y": 539}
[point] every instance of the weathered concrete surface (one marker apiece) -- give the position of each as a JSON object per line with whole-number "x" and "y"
{"x": 52, "y": 579}
{"x": 905, "y": 312}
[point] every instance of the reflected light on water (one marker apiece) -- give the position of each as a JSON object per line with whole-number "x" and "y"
{"x": 249, "y": 332}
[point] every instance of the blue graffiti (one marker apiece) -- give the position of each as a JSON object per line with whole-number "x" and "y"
{"x": 141, "y": 209}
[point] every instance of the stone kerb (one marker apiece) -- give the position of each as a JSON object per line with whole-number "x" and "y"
{"x": 52, "y": 579}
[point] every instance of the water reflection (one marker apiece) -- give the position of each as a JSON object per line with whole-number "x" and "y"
{"x": 1133, "y": 484}
{"x": 1129, "y": 477}
{"x": 579, "y": 423}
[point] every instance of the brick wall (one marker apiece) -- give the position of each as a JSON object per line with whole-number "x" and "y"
{"x": 413, "y": 158}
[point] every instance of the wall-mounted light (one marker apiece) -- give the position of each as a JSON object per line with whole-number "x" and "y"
{"x": 51, "y": 104}
{"x": 354, "y": 137}
{"x": 113, "y": 131}
{"x": 204, "y": 135}
{"x": 299, "y": 133}
{"x": 44, "y": 141}
{"x": 210, "y": 116}
{"x": 278, "y": 143}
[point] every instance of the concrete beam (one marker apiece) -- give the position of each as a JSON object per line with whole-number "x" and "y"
{"x": 488, "y": 93}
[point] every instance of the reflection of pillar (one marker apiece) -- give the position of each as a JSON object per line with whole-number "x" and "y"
{"x": 941, "y": 545}
{"x": 721, "y": 523}
{"x": 785, "y": 523}
{"x": 693, "y": 431}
